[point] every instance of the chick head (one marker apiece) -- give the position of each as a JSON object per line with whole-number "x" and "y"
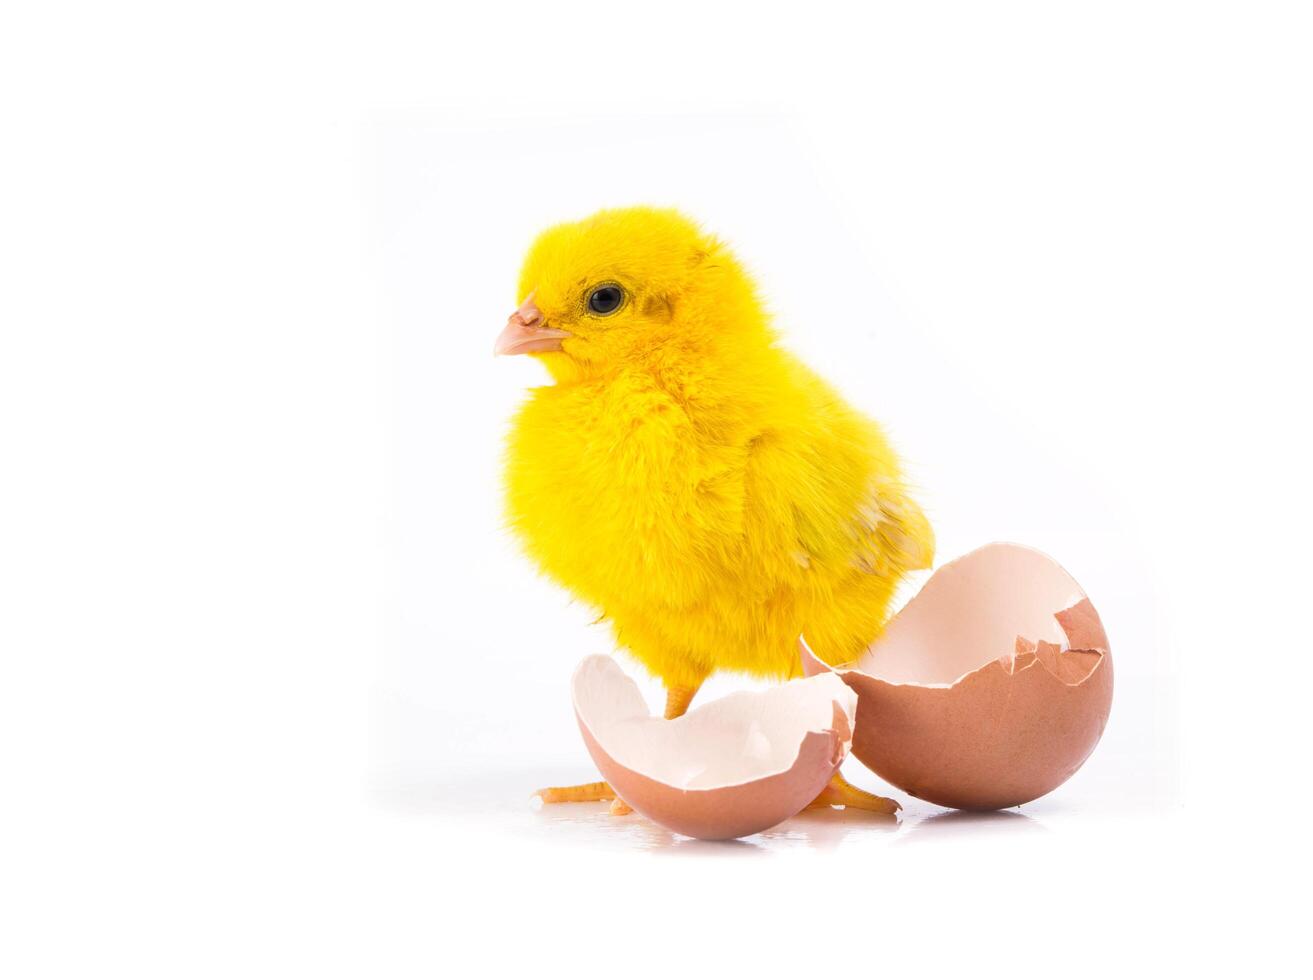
{"x": 621, "y": 285}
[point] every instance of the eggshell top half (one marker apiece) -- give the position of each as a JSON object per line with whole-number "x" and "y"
{"x": 989, "y": 689}
{"x": 732, "y": 767}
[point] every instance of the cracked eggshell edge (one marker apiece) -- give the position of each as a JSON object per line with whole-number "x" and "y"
{"x": 738, "y": 807}
{"x": 1001, "y": 735}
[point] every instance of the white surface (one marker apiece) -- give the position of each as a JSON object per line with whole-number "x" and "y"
{"x": 275, "y": 686}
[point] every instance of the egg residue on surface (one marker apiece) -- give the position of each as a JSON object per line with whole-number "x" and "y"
{"x": 729, "y": 768}
{"x": 989, "y": 689}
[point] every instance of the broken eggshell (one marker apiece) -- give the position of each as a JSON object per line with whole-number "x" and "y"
{"x": 989, "y": 689}
{"x": 732, "y": 767}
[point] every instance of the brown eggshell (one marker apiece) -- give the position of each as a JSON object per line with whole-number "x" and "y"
{"x": 989, "y": 689}
{"x": 732, "y": 767}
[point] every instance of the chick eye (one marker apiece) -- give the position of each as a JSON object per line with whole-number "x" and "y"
{"x": 605, "y": 299}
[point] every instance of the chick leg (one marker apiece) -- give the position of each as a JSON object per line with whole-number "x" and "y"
{"x": 842, "y": 793}
{"x": 677, "y": 701}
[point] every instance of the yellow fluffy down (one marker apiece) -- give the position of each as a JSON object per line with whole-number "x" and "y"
{"x": 698, "y": 485}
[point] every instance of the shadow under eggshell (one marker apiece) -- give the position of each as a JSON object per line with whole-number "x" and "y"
{"x": 1017, "y": 724}
{"x": 730, "y": 768}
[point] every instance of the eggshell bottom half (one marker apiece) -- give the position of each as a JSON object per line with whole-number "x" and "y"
{"x": 727, "y": 769}
{"x": 989, "y": 689}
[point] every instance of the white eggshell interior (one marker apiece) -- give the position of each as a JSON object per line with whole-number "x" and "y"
{"x": 736, "y": 739}
{"x": 971, "y": 612}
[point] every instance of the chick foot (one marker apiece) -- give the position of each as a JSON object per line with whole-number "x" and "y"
{"x": 584, "y": 793}
{"x": 840, "y": 792}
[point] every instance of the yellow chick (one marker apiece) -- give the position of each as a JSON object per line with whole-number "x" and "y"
{"x": 697, "y": 484}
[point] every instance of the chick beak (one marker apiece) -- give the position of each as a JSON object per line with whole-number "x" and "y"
{"x": 527, "y": 332}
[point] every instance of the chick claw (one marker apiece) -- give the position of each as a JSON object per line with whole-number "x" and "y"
{"x": 842, "y": 793}
{"x": 585, "y": 793}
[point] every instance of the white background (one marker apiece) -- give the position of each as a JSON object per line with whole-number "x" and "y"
{"x": 277, "y": 686}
